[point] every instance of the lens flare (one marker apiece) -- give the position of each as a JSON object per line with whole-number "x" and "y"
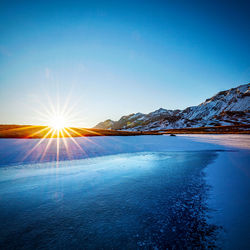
{"x": 59, "y": 117}
{"x": 57, "y": 137}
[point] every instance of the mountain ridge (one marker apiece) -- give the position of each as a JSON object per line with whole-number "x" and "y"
{"x": 228, "y": 107}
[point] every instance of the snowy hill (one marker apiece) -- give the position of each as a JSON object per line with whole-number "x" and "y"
{"x": 229, "y": 107}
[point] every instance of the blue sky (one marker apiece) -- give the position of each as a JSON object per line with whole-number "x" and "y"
{"x": 118, "y": 57}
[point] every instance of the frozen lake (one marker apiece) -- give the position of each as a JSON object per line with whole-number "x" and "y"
{"x": 125, "y": 193}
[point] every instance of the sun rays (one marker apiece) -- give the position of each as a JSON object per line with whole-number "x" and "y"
{"x": 58, "y": 139}
{"x": 58, "y": 132}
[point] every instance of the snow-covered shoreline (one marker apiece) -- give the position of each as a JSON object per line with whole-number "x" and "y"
{"x": 229, "y": 141}
{"x": 229, "y": 178}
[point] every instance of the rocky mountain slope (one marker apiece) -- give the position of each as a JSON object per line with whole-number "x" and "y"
{"x": 229, "y": 107}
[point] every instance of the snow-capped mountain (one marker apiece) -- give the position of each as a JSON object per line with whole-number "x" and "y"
{"x": 229, "y": 107}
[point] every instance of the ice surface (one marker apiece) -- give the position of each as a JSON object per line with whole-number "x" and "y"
{"x": 18, "y": 151}
{"x": 112, "y": 202}
{"x": 126, "y": 192}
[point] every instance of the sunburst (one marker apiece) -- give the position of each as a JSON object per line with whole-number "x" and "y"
{"x": 59, "y": 121}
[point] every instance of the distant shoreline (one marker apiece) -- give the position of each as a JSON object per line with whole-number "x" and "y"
{"x": 39, "y": 132}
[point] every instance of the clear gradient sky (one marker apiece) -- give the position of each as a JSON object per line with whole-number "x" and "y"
{"x": 118, "y": 57}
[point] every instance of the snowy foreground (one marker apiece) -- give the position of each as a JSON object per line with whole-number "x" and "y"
{"x": 148, "y": 192}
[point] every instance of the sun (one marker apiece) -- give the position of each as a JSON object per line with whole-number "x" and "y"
{"x": 58, "y": 122}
